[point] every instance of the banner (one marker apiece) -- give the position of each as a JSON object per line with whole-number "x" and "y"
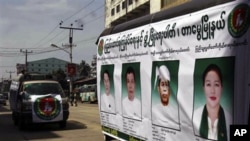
{"x": 71, "y": 69}
{"x": 47, "y": 108}
{"x": 174, "y": 79}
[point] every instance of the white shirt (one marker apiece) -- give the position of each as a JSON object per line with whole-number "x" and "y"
{"x": 131, "y": 109}
{"x": 166, "y": 116}
{"x": 212, "y": 132}
{"x": 107, "y": 103}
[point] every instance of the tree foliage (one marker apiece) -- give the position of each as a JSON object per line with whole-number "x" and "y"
{"x": 84, "y": 69}
{"x": 60, "y": 76}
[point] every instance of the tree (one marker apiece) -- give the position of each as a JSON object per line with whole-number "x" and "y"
{"x": 84, "y": 69}
{"x": 60, "y": 76}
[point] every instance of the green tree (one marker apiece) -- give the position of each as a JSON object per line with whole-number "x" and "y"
{"x": 60, "y": 76}
{"x": 84, "y": 69}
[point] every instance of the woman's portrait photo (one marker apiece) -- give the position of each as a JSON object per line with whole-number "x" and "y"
{"x": 213, "y": 97}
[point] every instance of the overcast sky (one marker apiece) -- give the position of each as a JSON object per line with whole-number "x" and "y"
{"x": 34, "y": 25}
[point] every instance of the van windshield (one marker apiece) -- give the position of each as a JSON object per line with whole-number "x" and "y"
{"x": 43, "y": 88}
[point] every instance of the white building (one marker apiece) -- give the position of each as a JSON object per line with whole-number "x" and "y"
{"x": 120, "y": 11}
{"x": 47, "y": 66}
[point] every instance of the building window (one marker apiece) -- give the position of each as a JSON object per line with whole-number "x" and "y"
{"x": 113, "y": 12}
{"x": 117, "y": 8}
{"x": 130, "y": 2}
{"x": 123, "y": 5}
{"x": 171, "y": 3}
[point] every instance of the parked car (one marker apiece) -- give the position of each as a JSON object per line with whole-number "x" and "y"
{"x": 3, "y": 100}
{"x": 5, "y": 88}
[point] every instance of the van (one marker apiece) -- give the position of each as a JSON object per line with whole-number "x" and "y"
{"x": 36, "y": 98}
{"x": 179, "y": 74}
{"x": 88, "y": 93}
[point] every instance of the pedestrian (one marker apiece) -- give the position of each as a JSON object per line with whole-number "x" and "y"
{"x": 75, "y": 97}
{"x": 72, "y": 98}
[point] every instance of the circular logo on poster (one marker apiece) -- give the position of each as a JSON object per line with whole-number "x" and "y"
{"x": 47, "y": 108}
{"x": 100, "y": 47}
{"x": 238, "y": 20}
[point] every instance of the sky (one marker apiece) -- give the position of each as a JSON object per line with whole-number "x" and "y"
{"x": 33, "y": 25}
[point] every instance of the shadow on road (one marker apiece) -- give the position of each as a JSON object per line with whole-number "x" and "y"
{"x": 71, "y": 125}
{"x": 4, "y": 109}
{"x": 8, "y": 131}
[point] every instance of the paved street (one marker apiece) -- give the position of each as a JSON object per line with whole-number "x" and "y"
{"x": 83, "y": 125}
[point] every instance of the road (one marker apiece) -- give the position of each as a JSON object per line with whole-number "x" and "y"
{"x": 83, "y": 125}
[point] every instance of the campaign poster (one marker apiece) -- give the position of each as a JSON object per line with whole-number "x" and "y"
{"x": 176, "y": 79}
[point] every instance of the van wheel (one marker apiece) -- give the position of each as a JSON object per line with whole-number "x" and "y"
{"x": 63, "y": 124}
{"x": 107, "y": 138}
{"x": 15, "y": 121}
{"x": 21, "y": 124}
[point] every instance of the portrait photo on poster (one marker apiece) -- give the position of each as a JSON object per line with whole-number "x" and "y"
{"x": 164, "y": 87}
{"x": 131, "y": 91}
{"x": 107, "y": 89}
{"x": 213, "y": 97}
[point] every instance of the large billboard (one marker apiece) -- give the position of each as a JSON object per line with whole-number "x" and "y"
{"x": 174, "y": 79}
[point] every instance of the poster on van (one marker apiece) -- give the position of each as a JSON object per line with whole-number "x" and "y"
{"x": 174, "y": 79}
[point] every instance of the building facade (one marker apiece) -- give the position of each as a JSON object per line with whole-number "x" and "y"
{"x": 47, "y": 66}
{"x": 93, "y": 66}
{"x": 120, "y": 11}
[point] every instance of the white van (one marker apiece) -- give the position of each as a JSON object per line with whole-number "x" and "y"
{"x": 35, "y": 98}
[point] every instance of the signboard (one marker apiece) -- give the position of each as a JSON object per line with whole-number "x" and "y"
{"x": 175, "y": 79}
{"x": 71, "y": 69}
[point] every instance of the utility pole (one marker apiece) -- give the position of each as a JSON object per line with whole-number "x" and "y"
{"x": 71, "y": 29}
{"x": 126, "y": 3}
{"x": 26, "y": 62}
{"x": 10, "y": 72}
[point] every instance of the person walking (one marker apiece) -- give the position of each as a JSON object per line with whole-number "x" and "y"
{"x": 73, "y": 98}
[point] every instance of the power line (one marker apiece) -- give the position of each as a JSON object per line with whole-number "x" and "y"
{"x": 26, "y": 56}
{"x": 7, "y": 66}
{"x": 78, "y": 11}
{"x": 6, "y": 53}
{"x": 58, "y": 25}
{"x": 10, "y": 72}
{"x": 90, "y": 13}
{"x": 39, "y": 51}
{"x": 46, "y": 35}
{"x": 86, "y": 40}
{"x": 95, "y": 19}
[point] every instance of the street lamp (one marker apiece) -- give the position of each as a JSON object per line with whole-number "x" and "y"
{"x": 70, "y": 56}
{"x": 69, "y": 52}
